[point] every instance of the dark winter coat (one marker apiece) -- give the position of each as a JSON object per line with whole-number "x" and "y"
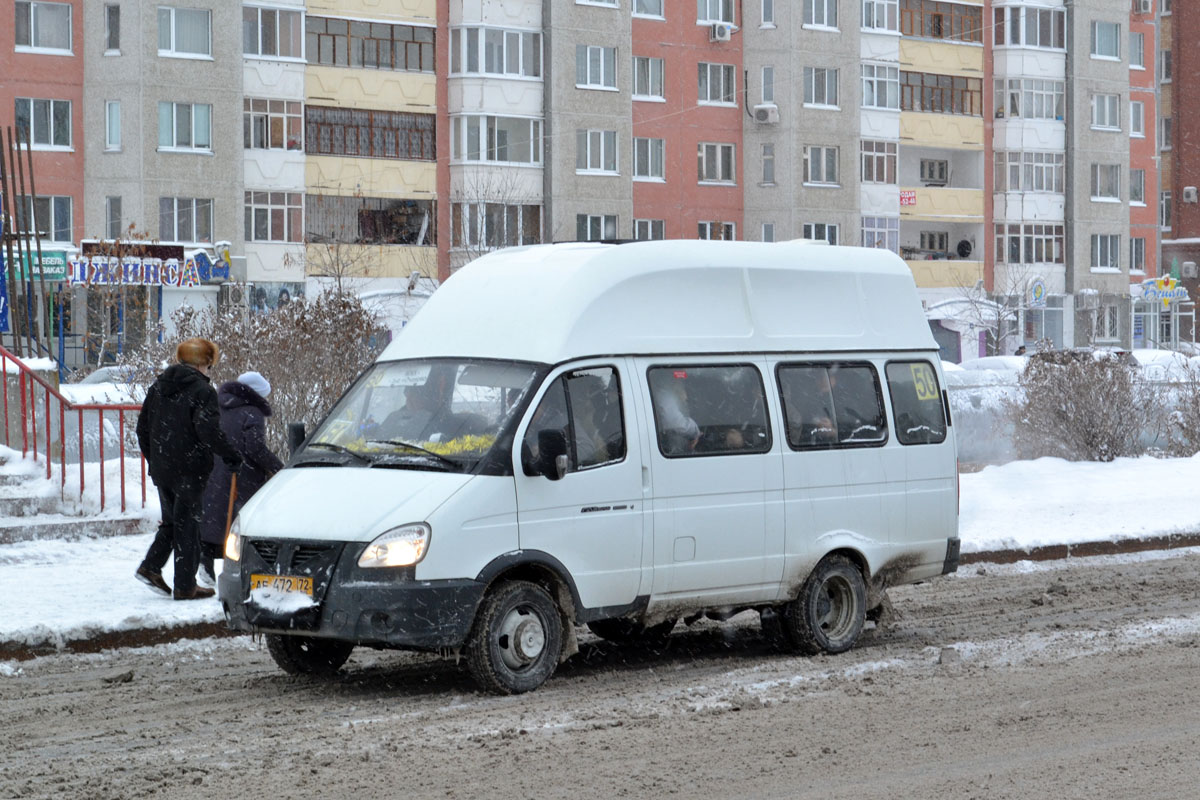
{"x": 179, "y": 428}
{"x": 244, "y": 421}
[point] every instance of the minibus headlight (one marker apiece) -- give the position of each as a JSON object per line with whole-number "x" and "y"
{"x": 233, "y": 542}
{"x": 399, "y": 547}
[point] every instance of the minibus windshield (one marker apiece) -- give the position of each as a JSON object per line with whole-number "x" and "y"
{"x": 424, "y": 414}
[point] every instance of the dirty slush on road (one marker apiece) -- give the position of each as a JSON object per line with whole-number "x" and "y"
{"x": 1073, "y": 680}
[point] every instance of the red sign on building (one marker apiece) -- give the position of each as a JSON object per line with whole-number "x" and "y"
{"x": 908, "y": 197}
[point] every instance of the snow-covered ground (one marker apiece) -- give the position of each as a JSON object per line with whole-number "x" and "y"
{"x": 63, "y": 590}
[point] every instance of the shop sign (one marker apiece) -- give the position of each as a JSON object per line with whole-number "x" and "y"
{"x": 1037, "y": 293}
{"x": 157, "y": 266}
{"x": 1165, "y": 288}
{"x": 52, "y": 267}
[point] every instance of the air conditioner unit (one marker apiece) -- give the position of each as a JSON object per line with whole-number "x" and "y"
{"x": 1188, "y": 270}
{"x": 721, "y": 32}
{"x": 1087, "y": 300}
{"x": 766, "y": 113}
{"x": 234, "y": 294}
{"x": 1142, "y": 6}
{"x": 1189, "y": 194}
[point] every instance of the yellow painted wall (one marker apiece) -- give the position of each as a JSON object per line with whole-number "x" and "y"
{"x": 965, "y": 205}
{"x": 943, "y": 58}
{"x": 945, "y": 273}
{"x": 370, "y": 261}
{"x": 417, "y": 11}
{"x": 371, "y": 89}
{"x": 370, "y": 177}
{"x": 941, "y": 130}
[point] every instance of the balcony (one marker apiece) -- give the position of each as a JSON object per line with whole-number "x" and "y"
{"x": 941, "y": 203}
{"x": 932, "y": 271}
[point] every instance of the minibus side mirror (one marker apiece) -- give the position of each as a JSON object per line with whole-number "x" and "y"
{"x": 295, "y": 436}
{"x": 552, "y": 454}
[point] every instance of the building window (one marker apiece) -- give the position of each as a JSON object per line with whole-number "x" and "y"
{"x": 768, "y": 13}
{"x": 716, "y": 83}
{"x": 184, "y": 32}
{"x": 937, "y": 242}
{"x": 112, "y": 28}
{"x": 648, "y": 230}
{"x": 512, "y": 54}
{"x": 881, "y": 86}
{"x": 595, "y": 227}
{"x": 366, "y": 133}
{"x": 184, "y": 126}
{"x": 1137, "y": 118}
{"x": 1029, "y": 243}
{"x": 274, "y": 217}
{"x": 647, "y": 78}
{"x": 1165, "y": 137}
{"x": 1137, "y": 186}
{"x": 369, "y": 220}
{"x": 493, "y": 225}
{"x": 1106, "y": 111}
{"x": 595, "y": 67}
{"x": 714, "y": 11}
{"x": 1166, "y": 72}
{"x": 46, "y": 123}
{"x": 934, "y": 171}
{"x": 941, "y": 94}
{"x": 369, "y": 45}
{"x": 272, "y": 32}
{"x": 881, "y": 15}
{"x": 821, "y": 165}
{"x": 43, "y": 26}
{"x": 881, "y": 232}
{"x": 1164, "y": 210}
{"x": 1106, "y": 182}
{"x": 720, "y": 231}
{"x": 819, "y": 232}
{"x": 820, "y": 86}
{"x": 715, "y": 163}
{"x": 1106, "y": 40}
{"x": 648, "y": 158}
{"x": 1027, "y": 26}
{"x": 185, "y": 219}
{"x": 51, "y": 215}
{"x": 272, "y": 124}
{"x": 596, "y": 151}
{"x": 822, "y": 13}
{"x": 1165, "y": 5}
{"x": 1031, "y": 98}
{"x": 1107, "y": 324}
{"x": 1137, "y": 50}
{"x": 1105, "y": 249}
{"x": 768, "y": 163}
{"x": 937, "y": 20}
{"x": 768, "y": 231}
{"x": 112, "y": 125}
{"x": 1029, "y": 172}
{"x": 112, "y": 218}
{"x": 768, "y": 84}
{"x": 878, "y": 161}
{"x": 510, "y": 140}
{"x": 1137, "y": 254}
{"x": 648, "y": 8}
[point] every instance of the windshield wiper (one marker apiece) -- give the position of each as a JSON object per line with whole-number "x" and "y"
{"x": 418, "y": 449}
{"x": 339, "y": 449}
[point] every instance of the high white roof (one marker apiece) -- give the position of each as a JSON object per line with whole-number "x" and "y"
{"x": 551, "y": 303}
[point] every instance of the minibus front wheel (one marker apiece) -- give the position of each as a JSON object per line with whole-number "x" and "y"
{"x": 828, "y": 613}
{"x": 517, "y": 638}
{"x": 304, "y": 655}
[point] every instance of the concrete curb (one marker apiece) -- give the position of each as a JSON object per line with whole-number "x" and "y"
{"x": 143, "y": 637}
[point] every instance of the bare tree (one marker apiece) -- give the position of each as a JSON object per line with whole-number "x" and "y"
{"x": 493, "y": 208}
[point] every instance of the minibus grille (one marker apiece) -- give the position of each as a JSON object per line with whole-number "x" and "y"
{"x": 298, "y": 557}
{"x": 268, "y": 551}
{"x": 306, "y": 553}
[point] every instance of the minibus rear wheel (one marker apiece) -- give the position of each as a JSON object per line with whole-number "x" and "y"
{"x": 517, "y": 638}
{"x": 828, "y": 613}
{"x": 304, "y": 655}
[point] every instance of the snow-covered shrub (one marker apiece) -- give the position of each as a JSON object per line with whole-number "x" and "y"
{"x": 1085, "y": 406}
{"x": 1185, "y": 415}
{"x": 310, "y": 350}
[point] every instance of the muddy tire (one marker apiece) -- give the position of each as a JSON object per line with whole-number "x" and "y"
{"x": 828, "y": 613}
{"x": 517, "y": 638}
{"x": 628, "y": 631}
{"x": 303, "y": 655}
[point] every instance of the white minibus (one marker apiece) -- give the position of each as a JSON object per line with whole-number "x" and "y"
{"x": 627, "y": 437}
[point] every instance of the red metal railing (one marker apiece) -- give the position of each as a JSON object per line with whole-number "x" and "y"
{"x": 27, "y": 384}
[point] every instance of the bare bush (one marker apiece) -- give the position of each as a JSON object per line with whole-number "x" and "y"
{"x": 1085, "y": 406}
{"x": 309, "y": 350}
{"x": 1184, "y": 417}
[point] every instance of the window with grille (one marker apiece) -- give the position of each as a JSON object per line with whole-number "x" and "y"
{"x": 368, "y": 133}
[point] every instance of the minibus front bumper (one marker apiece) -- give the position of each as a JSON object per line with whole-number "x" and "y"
{"x": 378, "y": 606}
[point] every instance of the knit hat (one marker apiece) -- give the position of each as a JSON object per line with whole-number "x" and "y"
{"x": 256, "y": 382}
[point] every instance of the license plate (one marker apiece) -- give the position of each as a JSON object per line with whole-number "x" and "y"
{"x": 285, "y": 584}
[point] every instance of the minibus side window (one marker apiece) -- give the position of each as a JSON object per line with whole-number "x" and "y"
{"x": 586, "y": 406}
{"x": 916, "y": 402}
{"x": 709, "y": 410}
{"x": 829, "y": 405}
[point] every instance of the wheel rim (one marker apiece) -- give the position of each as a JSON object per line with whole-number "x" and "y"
{"x": 835, "y": 607}
{"x": 521, "y": 638}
